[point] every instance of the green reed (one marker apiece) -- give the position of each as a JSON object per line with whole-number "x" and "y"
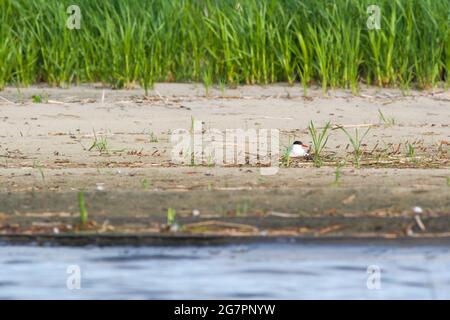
{"x": 140, "y": 42}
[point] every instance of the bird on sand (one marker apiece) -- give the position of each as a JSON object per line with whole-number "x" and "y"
{"x": 298, "y": 150}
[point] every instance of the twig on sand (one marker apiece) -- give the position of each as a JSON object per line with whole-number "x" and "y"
{"x": 329, "y": 229}
{"x": 419, "y": 222}
{"x": 339, "y": 126}
{"x": 103, "y": 96}
{"x": 55, "y": 102}
{"x": 220, "y": 224}
{"x": 278, "y": 118}
{"x": 4, "y": 99}
{"x": 283, "y": 214}
{"x": 161, "y": 97}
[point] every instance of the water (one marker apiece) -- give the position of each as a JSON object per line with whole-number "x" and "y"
{"x": 263, "y": 271}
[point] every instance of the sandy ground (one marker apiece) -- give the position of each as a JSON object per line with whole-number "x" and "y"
{"x": 45, "y": 160}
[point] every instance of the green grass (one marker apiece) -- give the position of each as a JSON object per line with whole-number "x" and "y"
{"x": 122, "y": 43}
{"x": 38, "y": 166}
{"x": 285, "y": 157}
{"x": 37, "y": 98}
{"x": 338, "y": 174}
{"x": 242, "y": 208}
{"x": 152, "y": 137}
{"x": 356, "y": 142}
{"x": 411, "y": 152}
{"x": 40, "y": 98}
{"x": 171, "y": 216}
{"x": 145, "y": 184}
{"x": 82, "y": 208}
{"x": 387, "y": 121}
{"x": 319, "y": 141}
{"x": 100, "y": 144}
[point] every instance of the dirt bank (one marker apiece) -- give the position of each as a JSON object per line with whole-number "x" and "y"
{"x": 129, "y": 186}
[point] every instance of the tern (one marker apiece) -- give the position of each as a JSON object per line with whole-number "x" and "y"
{"x": 298, "y": 150}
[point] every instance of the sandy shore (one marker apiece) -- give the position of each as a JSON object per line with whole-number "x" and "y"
{"x": 45, "y": 160}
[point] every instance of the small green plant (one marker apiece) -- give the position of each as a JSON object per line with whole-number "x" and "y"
{"x": 188, "y": 156}
{"x": 153, "y": 137}
{"x": 190, "y": 151}
{"x": 211, "y": 162}
{"x": 82, "y": 207}
{"x": 101, "y": 144}
{"x": 192, "y": 125}
{"x": 242, "y": 208}
{"x": 38, "y": 166}
{"x": 338, "y": 174}
{"x": 411, "y": 152}
{"x": 356, "y": 142}
{"x": 319, "y": 141}
{"x": 20, "y": 97}
{"x": 448, "y": 181}
{"x": 207, "y": 81}
{"x": 145, "y": 184}
{"x": 37, "y": 98}
{"x": 387, "y": 121}
{"x": 222, "y": 86}
{"x": 171, "y": 216}
{"x": 286, "y": 157}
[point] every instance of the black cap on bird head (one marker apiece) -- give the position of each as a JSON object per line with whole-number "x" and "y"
{"x": 300, "y": 143}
